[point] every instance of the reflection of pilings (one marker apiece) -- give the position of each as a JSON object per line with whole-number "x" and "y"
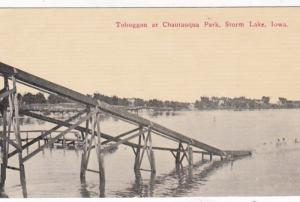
{"x": 83, "y": 190}
{"x": 187, "y": 178}
{"x": 137, "y": 186}
{"x": 182, "y": 153}
{"x": 143, "y": 189}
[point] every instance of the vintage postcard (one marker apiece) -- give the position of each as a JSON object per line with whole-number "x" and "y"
{"x": 149, "y": 102}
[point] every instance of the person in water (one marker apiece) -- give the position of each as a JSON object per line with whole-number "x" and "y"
{"x": 278, "y": 143}
{"x": 283, "y": 141}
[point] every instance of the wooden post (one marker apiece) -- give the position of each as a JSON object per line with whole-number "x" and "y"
{"x": 76, "y": 143}
{"x": 18, "y": 138}
{"x": 137, "y": 165}
{"x": 100, "y": 157}
{"x": 177, "y": 158}
{"x": 3, "y": 141}
{"x": 63, "y": 142}
{"x": 151, "y": 155}
{"x": 27, "y": 150}
{"x": 3, "y": 151}
{"x": 210, "y": 156}
{"x": 190, "y": 154}
{"x": 39, "y": 143}
{"x": 87, "y": 148}
{"x": 83, "y": 166}
{"x": 50, "y": 137}
{"x": 202, "y": 156}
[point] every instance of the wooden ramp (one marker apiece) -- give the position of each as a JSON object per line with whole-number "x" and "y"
{"x": 91, "y": 133}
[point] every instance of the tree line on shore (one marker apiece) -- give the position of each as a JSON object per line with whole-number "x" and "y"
{"x": 204, "y": 103}
{"x": 240, "y": 103}
{"x": 40, "y": 98}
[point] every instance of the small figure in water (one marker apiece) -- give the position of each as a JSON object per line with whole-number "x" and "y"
{"x": 283, "y": 141}
{"x": 278, "y": 143}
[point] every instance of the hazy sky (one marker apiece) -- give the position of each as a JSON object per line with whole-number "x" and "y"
{"x": 82, "y": 49}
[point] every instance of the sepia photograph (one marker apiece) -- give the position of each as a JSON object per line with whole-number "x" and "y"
{"x": 149, "y": 102}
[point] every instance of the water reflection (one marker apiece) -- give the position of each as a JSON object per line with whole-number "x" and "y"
{"x": 24, "y": 120}
{"x": 178, "y": 182}
{"x": 157, "y": 114}
{"x": 84, "y": 191}
{"x": 140, "y": 188}
{"x": 2, "y": 193}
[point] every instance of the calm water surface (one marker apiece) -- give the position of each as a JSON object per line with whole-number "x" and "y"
{"x": 272, "y": 170}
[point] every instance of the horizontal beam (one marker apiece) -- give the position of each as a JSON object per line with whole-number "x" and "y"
{"x": 53, "y": 140}
{"x": 93, "y": 171}
{"x": 120, "y": 142}
{"x": 6, "y": 93}
{"x": 45, "y": 133}
{"x": 79, "y": 128}
{"x": 12, "y": 168}
{"x": 121, "y": 135}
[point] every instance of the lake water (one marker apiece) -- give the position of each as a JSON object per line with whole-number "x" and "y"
{"x": 271, "y": 170}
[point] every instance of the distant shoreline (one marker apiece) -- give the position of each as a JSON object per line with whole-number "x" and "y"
{"x": 204, "y": 103}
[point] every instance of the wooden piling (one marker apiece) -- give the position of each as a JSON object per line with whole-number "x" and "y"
{"x": 151, "y": 155}
{"x": 3, "y": 151}
{"x": 18, "y": 138}
{"x": 27, "y": 149}
{"x": 63, "y": 144}
{"x": 84, "y": 159}
{"x": 190, "y": 154}
{"x": 210, "y": 157}
{"x": 4, "y": 146}
{"x": 100, "y": 157}
{"x": 137, "y": 165}
{"x": 177, "y": 158}
{"x": 88, "y": 146}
